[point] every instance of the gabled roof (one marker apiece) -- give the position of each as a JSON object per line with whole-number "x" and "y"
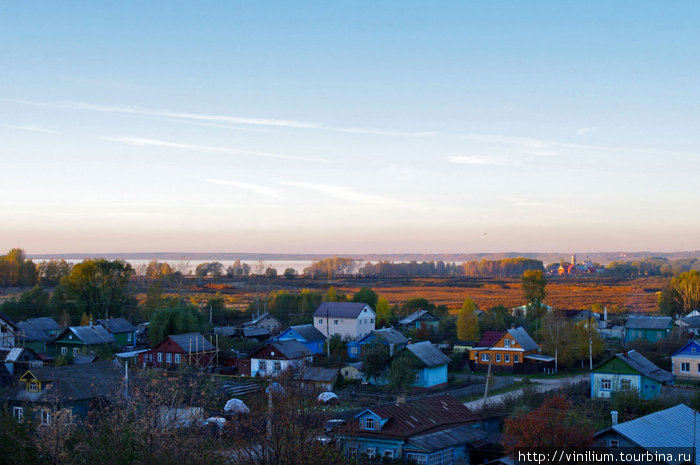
{"x": 648, "y": 322}
{"x": 390, "y": 336}
{"x": 259, "y": 319}
{"x": 523, "y": 338}
{"x": 677, "y": 426}
{"x": 340, "y": 309}
{"x": 191, "y": 341}
{"x": 308, "y": 332}
{"x": 416, "y": 316}
{"x": 428, "y": 354}
{"x": 292, "y": 349}
{"x": 691, "y": 321}
{"x": 320, "y": 374}
{"x": 45, "y": 323}
{"x": 9, "y": 321}
{"x": 415, "y": 417}
{"x": 690, "y": 344}
{"x": 445, "y": 438}
{"x": 28, "y": 331}
{"x": 117, "y": 325}
{"x": 489, "y": 338}
{"x": 255, "y": 332}
{"x": 90, "y": 335}
{"x": 71, "y": 383}
{"x": 18, "y": 354}
{"x": 638, "y": 362}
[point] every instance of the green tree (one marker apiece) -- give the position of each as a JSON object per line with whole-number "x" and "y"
{"x": 271, "y": 272}
{"x": 375, "y": 360}
{"x": 686, "y": 288}
{"x": 51, "y": 272}
{"x": 534, "y": 286}
{"x": 383, "y": 310}
{"x": 367, "y": 296}
{"x": 334, "y": 296}
{"x": 468, "y": 321}
{"x": 290, "y": 273}
{"x": 217, "y": 306}
{"x": 413, "y": 305}
{"x": 402, "y": 372}
{"x": 175, "y": 320}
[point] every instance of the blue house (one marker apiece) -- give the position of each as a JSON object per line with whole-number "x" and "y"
{"x": 421, "y": 319}
{"x": 651, "y": 328}
{"x": 432, "y": 362}
{"x": 629, "y": 371}
{"x": 306, "y": 334}
{"x": 434, "y": 430}
{"x": 389, "y": 337}
{"x": 685, "y": 362}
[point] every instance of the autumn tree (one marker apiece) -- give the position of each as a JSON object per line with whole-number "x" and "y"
{"x": 290, "y": 273}
{"x": 534, "y": 286}
{"x": 366, "y": 296}
{"x": 402, "y": 372}
{"x": 468, "y": 321}
{"x": 383, "y": 310}
{"x": 375, "y": 360}
{"x": 687, "y": 290}
{"x": 550, "y": 425}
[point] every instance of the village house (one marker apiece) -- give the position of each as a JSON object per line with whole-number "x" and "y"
{"x": 318, "y": 378}
{"x": 685, "y": 362}
{"x": 19, "y": 359}
{"x": 190, "y": 349}
{"x": 628, "y": 372}
{"x": 436, "y": 430}
{"x": 432, "y": 365}
{"x": 690, "y": 323}
{"x": 77, "y": 388}
{"x": 352, "y": 371}
{"x": 351, "y": 320}
{"x": 420, "y": 319}
{"x": 265, "y": 321}
{"x": 671, "y": 432}
{"x": 124, "y": 332}
{"x": 650, "y": 328}
{"x": 8, "y": 331}
{"x": 388, "y": 337}
{"x": 76, "y": 340}
{"x": 275, "y": 357}
{"x": 508, "y": 351}
{"x": 37, "y": 333}
{"x": 308, "y": 335}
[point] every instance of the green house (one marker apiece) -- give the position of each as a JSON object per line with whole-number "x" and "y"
{"x": 651, "y": 328}
{"x": 628, "y": 372}
{"x": 124, "y": 332}
{"x": 82, "y": 340}
{"x": 37, "y": 333}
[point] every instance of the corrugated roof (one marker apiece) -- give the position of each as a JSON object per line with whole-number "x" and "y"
{"x": 417, "y": 315}
{"x": 292, "y": 349}
{"x": 428, "y": 353}
{"x": 489, "y": 338}
{"x": 648, "y": 322}
{"x": 225, "y": 330}
{"x": 320, "y": 374}
{"x": 9, "y": 321}
{"x": 191, "y": 341}
{"x": 391, "y": 336}
{"x": 692, "y": 321}
{"x": 415, "y": 417}
{"x": 45, "y": 323}
{"x": 308, "y": 332}
{"x": 255, "y": 332}
{"x": 31, "y": 332}
{"x": 645, "y": 367}
{"x": 340, "y": 309}
{"x": 677, "y": 426}
{"x": 449, "y": 437}
{"x": 259, "y": 319}
{"x": 117, "y": 325}
{"x": 523, "y": 338}
{"x": 90, "y": 335}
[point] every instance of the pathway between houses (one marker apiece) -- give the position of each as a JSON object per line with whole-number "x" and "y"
{"x": 542, "y": 385}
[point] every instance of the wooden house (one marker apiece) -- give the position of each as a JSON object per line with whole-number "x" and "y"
{"x": 352, "y": 371}
{"x": 388, "y": 337}
{"x": 124, "y": 332}
{"x": 308, "y": 335}
{"x": 19, "y": 359}
{"x": 508, "y": 351}
{"x": 76, "y": 340}
{"x": 630, "y": 372}
{"x": 420, "y": 319}
{"x": 37, "y": 333}
{"x": 431, "y": 369}
{"x": 190, "y": 349}
{"x": 318, "y": 378}
{"x": 275, "y": 357}
{"x": 685, "y": 362}
{"x": 8, "y": 331}
{"x": 265, "y": 321}
{"x": 650, "y": 328}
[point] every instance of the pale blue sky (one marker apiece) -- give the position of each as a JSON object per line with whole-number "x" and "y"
{"x": 349, "y": 127}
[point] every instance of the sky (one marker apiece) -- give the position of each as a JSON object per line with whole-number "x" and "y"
{"x": 349, "y": 127}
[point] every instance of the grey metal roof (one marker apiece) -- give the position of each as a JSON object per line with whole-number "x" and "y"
{"x": 428, "y": 353}
{"x": 648, "y": 322}
{"x": 292, "y": 349}
{"x": 391, "y": 336}
{"x": 225, "y": 330}
{"x": 340, "y": 309}
{"x": 260, "y": 318}
{"x": 90, "y": 335}
{"x": 30, "y": 332}
{"x": 117, "y": 325}
{"x": 255, "y": 332}
{"x": 418, "y": 314}
{"x": 308, "y": 332}
{"x": 325, "y": 375}
{"x": 677, "y": 426}
{"x": 44, "y": 323}
{"x": 692, "y": 321}
{"x": 9, "y": 321}
{"x": 644, "y": 366}
{"x": 449, "y": 437}
{"x": 191, "y": 341}
{"x": 523, "y": 338}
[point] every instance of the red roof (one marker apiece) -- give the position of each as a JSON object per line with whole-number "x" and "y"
{"x": 490, "y": 338}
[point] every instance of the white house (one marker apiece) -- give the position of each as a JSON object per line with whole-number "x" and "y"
{"x": 9, "y": 331}
{"x": 348, "y": 319}
{"x": 276, "y": 357}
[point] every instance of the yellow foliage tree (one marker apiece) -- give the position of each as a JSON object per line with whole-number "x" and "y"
{"x": 468, "y": 321}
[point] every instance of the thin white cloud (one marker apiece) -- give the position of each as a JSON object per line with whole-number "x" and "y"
{"x": 582, "y": 131}
{"x": 138, "y": 141}
{"x": 385, "y": 132}
{"x": 346, "y": 193}
{"x": 34, "y": 129}
{"x": 263, "y": 190}
{"x": 482, "y": 160}
{"x": 519, "y": 202}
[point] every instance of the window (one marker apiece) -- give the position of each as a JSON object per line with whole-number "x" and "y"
{"x": 506, "y": 343}
{"x": 685, "y": 367}
{"x": 419, "y": 459}
{"x": 417, "y": 375}
{"x": 45, "y": 417}
{"x": 371, "y": 452}
{"x": 178, "y": 358}
{"x": 262, "y": 366}
{"x": 75, "y": 351}
{"x": 128, "y": 337}
{"x": 33, "y": 387}
{"x": 658, "y": 334}
{"x": 372, "y": 320}
{"x": 484, "y": 357}
{"x": 606, "y": 384}
{"x": 335, "y": 322}
{"x": 498, "y": 357}
{"x": 698, "y": 367}
{"x": 389, "y": 453}
{"x": 506, "y": 358}
{"x": 64, "y": 350}
{"x": 160, "y": 357}
{"x": 369, "y": 423}
{"x": 320, "y": 321}
{"x": 18, "y": 413}
{"x": 278, "y": 365}
{"x": 516, "y": 358}
{"x": 614, "y": 444}
{"x": 625, "y": 384}
{"x": 168, "y": 358}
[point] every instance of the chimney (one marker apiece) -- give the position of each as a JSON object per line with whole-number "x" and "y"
{"x": 91, "y": 322}
{"x": 410, "y": 341}
{"x": 605, "y": 314}
{"x": 614, "y": 417}
{"x": 512, "y": 326}
{"x": 391, "y": 350}
{"x": 400, "y": 399}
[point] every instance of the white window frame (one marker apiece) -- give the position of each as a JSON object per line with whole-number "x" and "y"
{"x": 498, "y": 357}
{"x": 262, "y": 365}
{"x": 371, "y": 452}
{"x": 64, "y": 350}
{"x": 160, "y": 357}
{"x": 277, "y": 365}
{"x": 506, "y": 358}
{"x": 516, "y": 358}
{"x": 320, "y": 321}
{"x": 626, "y": 384}
{"x": 128, "y": 337}
{"x": 369, "y": 423}
{"x": 484, "y": 357}
{"x": 335, "y": 322}
{"x": 178, "y": 358}
{"x": 168, "y": 358}
{"x": 389, "y": 453}
{"x": 606, "y": 382}
{"x": 685, "y": 367}
{"x": 45, "y": 416}
{"x": 76, "y": 351}
{"x": 506, "y": 342}
{"x": 33, "y": 386}
{"x": 18, "y": 413}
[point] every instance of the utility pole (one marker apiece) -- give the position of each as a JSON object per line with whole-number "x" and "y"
{"x": 590, "y": 343}
{"x": 328, "y": 335}
{"x": 210, "y": 310}
{"x": 488, "y": 376}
